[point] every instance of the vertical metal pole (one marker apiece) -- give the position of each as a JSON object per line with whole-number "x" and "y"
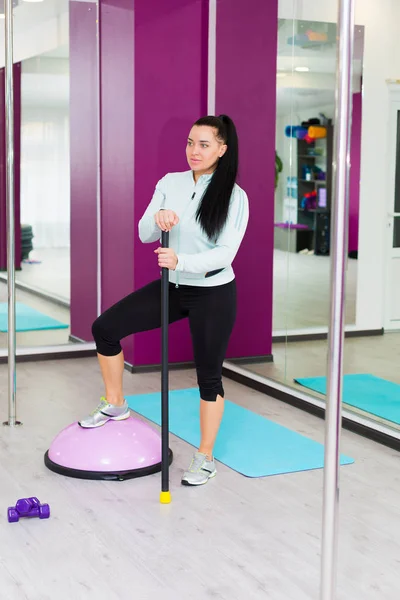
{"x": 165, "y": 496}
{"x": 9, "y": 102}
{"x": 98, "y": 165}
{"x": 212, "y": 56}
{"x": 340, "y": 198}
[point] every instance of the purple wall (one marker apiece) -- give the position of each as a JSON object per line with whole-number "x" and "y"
{"x": 246, "y": 91}
{"x": 17, "y": 168}
{"x": 117, "y": 144}
{"x": 165, "y": 89}
{"x": 83, "y": 163}
{"x": 355, "y": 156}
{"x": 153, "y": 87}
{"x": 170, "y": 94}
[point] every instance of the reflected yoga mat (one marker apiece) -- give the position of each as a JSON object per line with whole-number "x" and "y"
{"x": 28, "y": 319}
{"x": 247, "y": 442}
{"x": 371, "y": 394}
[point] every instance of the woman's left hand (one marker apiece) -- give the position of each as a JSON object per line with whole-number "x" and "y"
{"x": 167, "y": 258}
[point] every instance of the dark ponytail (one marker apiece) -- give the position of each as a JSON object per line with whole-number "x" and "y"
{"x": 214, "y": 206}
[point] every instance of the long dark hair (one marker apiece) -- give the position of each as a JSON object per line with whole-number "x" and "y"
{"x": 214, "y": 206}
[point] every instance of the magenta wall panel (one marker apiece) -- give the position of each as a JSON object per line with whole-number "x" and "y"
{"x": 246, "y": 91}
{"x": 83, "y": 165}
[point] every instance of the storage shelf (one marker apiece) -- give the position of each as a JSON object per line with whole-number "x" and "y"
{"x": 317, "y": 219}
{"x": 311, "y": 156}
{"x": 316, "y": 181}
{"x": 313, "y": 210}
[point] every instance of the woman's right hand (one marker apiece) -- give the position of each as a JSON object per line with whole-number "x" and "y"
{"x": 166, "y": 219}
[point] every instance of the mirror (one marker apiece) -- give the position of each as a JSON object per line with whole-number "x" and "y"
{"x": 305, "y": 121}
{"x": 56, "y": 238}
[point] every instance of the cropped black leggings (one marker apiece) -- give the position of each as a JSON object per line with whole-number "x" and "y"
{"x": 211, "y": 312}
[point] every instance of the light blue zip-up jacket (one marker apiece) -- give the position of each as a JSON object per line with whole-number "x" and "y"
{"x": 197, "y": 255}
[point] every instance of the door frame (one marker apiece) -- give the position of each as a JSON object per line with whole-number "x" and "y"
{"x": 390, "y": 252}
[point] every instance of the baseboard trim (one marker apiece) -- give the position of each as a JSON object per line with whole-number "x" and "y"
{"x": 50, "y": 356}
{"x": 251, "y": 360}
{"x": 312, "y": 337}
{"x": 285, "y": 396}
{"x": 75, "y": 340}
{"x": 157, "y": 367}
{"x": 190, "y": 364}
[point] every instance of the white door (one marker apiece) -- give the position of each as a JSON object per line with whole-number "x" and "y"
{"x": 392, "y": 303}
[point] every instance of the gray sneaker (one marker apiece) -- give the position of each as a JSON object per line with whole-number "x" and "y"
{"x": 105, "y": 412}
{"x": 200, "y": 470}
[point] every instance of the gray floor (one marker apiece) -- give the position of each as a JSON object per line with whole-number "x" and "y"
{"x": 51, "y": 275}
{"x": 378, "y": 355}
{"x": 38, "y": 338}
{"x": 302, "y": 290}
{"x": 375, "y": 355}
{"x": 234, "y": 539}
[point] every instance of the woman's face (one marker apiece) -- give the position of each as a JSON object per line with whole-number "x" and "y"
{"x": 203, "y": 149}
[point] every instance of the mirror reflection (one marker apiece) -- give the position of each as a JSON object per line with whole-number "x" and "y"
{"x": 305, "y": 127}
{"x": 45, "y": 172}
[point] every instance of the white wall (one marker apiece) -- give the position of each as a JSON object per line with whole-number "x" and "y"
{"x": 381, "y": 61}
{"x": 45, "y": 178}
{"x": 38, "y": 35}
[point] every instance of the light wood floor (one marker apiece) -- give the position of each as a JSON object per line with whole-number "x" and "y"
{"x": 302, "y": 291}
{"x": 235, "y": 538}
{"x": 377, "y": 355}
{"x": 38, "y": 338}
{"x": 50, "y": 275}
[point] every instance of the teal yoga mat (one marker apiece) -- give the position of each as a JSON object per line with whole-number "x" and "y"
{"x": 28, "y": 319}
{"x": 374, "y": 395}
{"x": 247, "y": 442}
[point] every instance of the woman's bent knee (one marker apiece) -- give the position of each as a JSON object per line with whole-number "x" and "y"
{"x": 106, "y": 344}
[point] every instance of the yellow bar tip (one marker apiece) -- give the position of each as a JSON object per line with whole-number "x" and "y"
{"x": 165, "y": 497}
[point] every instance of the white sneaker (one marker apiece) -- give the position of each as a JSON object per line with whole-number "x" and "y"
{"x": 105, "y": 412}
{"x": 200, "y": 470}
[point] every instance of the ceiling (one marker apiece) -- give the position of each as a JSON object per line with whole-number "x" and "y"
{"x": 31, "y": 13}
{"x": 45, "y": 78}
{"x": 291, "y": 100}
{"x": 316, "y": 87}
{"x": 60, "y": 52}
{"x": 295, "y": 91}
{"x": 320, "y": 56}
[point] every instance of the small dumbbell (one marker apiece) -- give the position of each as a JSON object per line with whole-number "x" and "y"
{"x": 28, "y": 507}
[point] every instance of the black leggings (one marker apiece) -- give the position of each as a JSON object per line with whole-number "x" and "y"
{"x": 211, "y": 312}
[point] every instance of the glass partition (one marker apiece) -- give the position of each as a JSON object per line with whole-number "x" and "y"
{"x": 305, "y": 126}
{"x": 56, "y": 68}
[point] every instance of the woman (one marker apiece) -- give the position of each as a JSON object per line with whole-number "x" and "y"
{"x": 206, "y": 213}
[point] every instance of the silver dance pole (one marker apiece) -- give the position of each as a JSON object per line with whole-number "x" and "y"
{"x": 340, "y": 197}
{"x": 9, "y": 102}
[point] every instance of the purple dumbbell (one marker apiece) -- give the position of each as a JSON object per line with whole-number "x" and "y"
{"x": 28, "y": 507}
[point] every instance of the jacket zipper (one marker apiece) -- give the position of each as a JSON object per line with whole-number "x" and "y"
{"x": 179, "y": 240}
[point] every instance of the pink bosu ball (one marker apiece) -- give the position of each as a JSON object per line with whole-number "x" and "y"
{"x": 118, "y": 450}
